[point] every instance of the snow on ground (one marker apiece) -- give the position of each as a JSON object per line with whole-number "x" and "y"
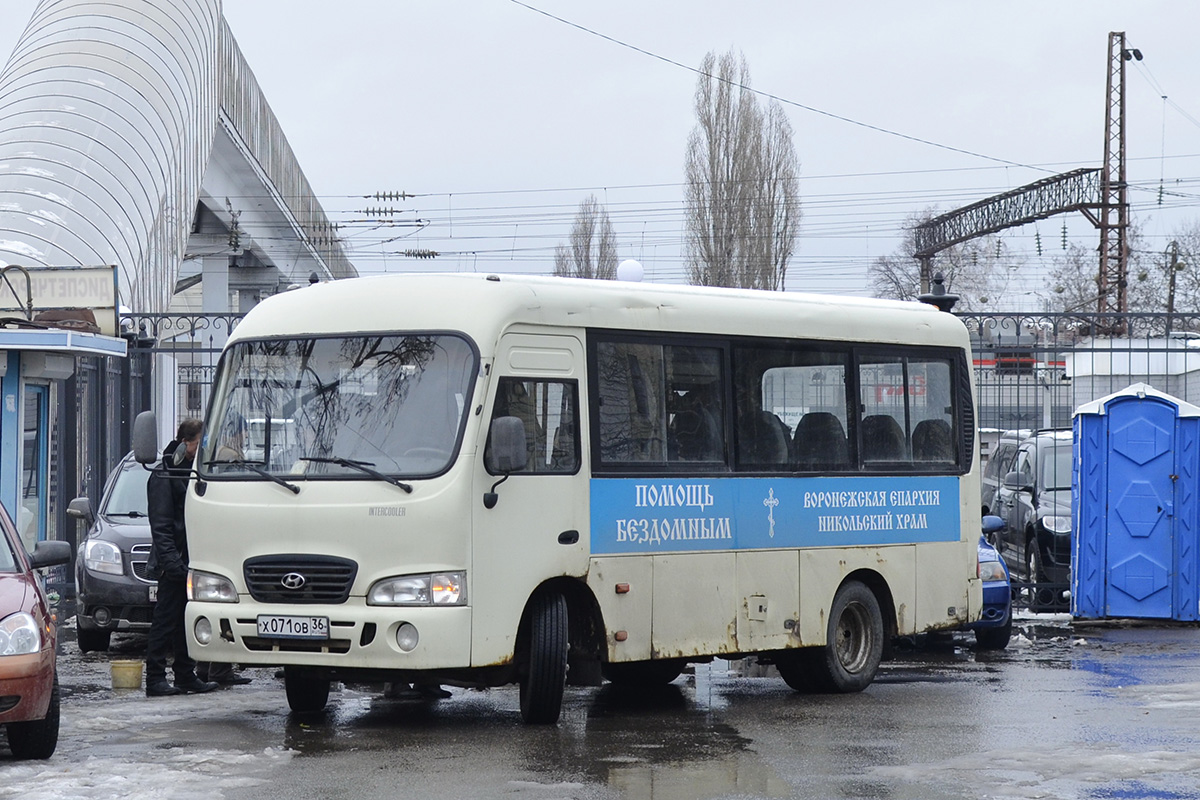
{"x": 173, "y": 773}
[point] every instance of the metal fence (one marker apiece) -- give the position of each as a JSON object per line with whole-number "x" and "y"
{"x": 1034, "y": 370}
{"x": 184, "y": 350}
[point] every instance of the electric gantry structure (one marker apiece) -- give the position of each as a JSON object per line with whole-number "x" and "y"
{"x": 1099, "y": 193}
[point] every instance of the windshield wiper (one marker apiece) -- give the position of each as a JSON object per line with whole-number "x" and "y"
{"x": 134, "y": 514}
{"x": 361, "y": 466}
{"x": 293, "y": 488}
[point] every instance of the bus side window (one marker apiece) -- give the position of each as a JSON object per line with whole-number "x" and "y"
{"x": 695, "y": 404}
{"x": 547, "y": 408}
{"x": 629, "y": 391}
{"x": 907, "y": 403}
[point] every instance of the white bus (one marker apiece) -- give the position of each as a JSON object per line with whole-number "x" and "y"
{"x": 542, "y": 481}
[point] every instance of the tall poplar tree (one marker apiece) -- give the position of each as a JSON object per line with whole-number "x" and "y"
{"x": 742, "y": 185}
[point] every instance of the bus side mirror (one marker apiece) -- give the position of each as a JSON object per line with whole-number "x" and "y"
{"x": 145, "y": 438}
{"x": 507, "y": 452}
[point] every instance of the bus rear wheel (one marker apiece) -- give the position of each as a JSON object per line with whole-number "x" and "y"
{"x": 546, "y": 675}
{"x": 305, "y": 694}
{"x": 853, "y": 645}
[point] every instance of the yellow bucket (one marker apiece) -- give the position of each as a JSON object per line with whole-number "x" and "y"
{"x": 126, "y": 674}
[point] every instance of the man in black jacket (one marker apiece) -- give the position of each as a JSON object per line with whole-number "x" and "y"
{"x": 168, "y": 563}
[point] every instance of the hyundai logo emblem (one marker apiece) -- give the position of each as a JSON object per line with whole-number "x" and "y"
{"x": 293, "y": 580}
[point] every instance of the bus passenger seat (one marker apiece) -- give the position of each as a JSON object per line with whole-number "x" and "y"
{"x": 932, "y": 441}
{"x": 882, "y": 438}
{"x": 820, "y": 442}
{"x": 761, "y": 440}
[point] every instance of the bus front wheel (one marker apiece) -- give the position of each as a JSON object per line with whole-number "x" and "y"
{"x": 853, "y": 645}
{"x": 546, "y": 675}
{"x": 305, "y": 695}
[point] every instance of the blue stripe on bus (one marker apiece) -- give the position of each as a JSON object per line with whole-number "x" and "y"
{"x": 651, "y": 515}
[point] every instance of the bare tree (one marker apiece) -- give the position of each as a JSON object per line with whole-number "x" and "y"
{"x": 979, "y": 271}
{"x": 742, "y": 192}
{"x": 1178, "y": 269}
{"x": 592, "y": 252}
{"x": 1072, "y": 282}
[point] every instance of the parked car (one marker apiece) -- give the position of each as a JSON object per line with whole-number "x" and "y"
{"x": 1034, "y": 500}
{"x": 994, "y": 628}
{"x": 28, "y": 644}
{"x": 999, "y": 464}
{"x": 112, "y": 590}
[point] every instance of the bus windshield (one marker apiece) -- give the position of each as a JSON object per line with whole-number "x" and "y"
{"x": 325, "y": 407}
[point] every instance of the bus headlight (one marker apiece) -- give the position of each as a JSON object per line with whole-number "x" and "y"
{"x": 202, "y": 630}
{"x": 435, "y": 589}
{"x": 210, "y": 588}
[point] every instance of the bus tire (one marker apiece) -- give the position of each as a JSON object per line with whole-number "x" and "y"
{"x": 853, "y": 644}
{"x": 305, "y": 695}
{"x": 659, "y": 672}
{"x": 546, "y": 673}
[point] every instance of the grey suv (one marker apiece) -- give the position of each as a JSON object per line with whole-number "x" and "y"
{"x": 113, "y": 593}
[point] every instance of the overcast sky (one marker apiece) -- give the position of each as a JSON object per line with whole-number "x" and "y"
{"x": 503, "y": 119}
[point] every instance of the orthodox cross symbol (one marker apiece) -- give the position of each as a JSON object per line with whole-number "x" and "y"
{"x": 770, "y": 503}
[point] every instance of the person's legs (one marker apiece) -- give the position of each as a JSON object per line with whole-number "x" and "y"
{"x": 223, "y": 674}
{"x": 166, "y": 618}
{"x": 172, "y": 599}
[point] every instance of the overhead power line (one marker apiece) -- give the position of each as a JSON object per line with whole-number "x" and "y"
{"x": 777, "y": 98}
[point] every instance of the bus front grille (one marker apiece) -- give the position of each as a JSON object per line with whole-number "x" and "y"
{"x": 299, "y": 579}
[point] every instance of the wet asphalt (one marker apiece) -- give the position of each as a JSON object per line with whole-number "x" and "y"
{"x": 1067, "y": 711}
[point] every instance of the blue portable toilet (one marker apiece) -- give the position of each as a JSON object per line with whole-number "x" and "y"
{"x": 1136, "y": 506}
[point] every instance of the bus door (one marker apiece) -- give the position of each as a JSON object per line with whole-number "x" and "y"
{"x": 538, "y": 527}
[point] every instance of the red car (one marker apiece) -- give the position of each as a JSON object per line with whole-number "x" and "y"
{"x": 28, "y": 643}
